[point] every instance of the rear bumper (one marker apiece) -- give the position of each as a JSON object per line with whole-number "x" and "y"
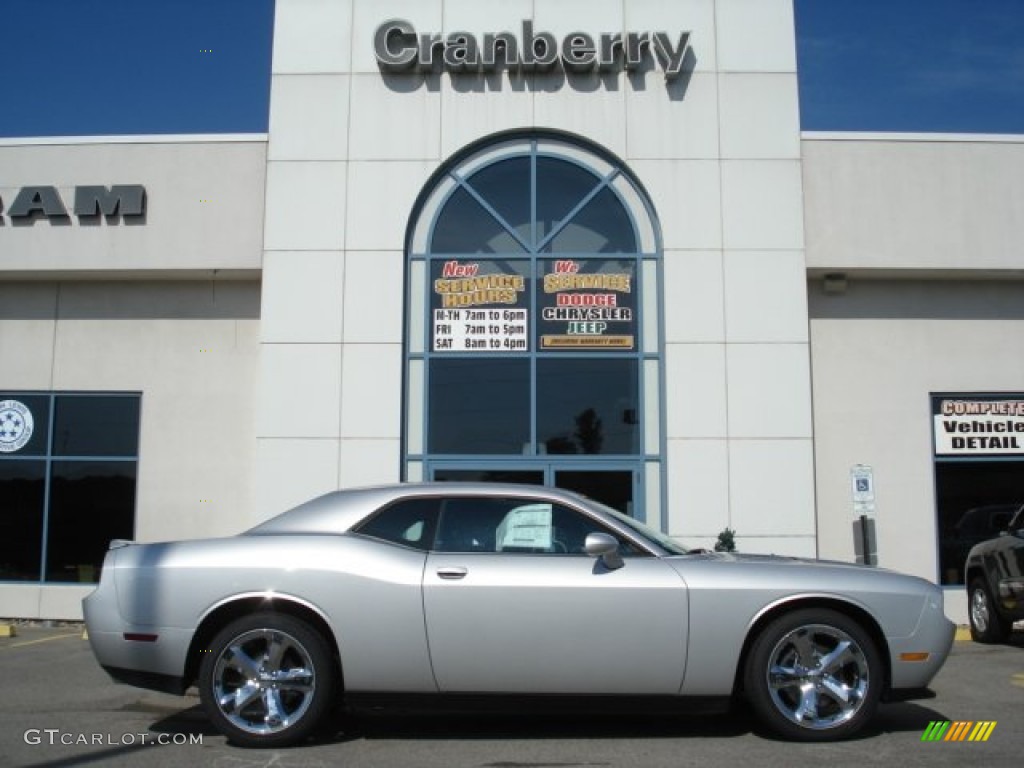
{"x": 144, "y": 656}
{"x": 148, "y": 680}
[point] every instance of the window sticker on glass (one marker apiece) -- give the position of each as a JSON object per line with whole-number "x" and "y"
{"x": 587, "y": 304}
{"x": 526, "y": 527}
{"x": 479, "y": 307}
{"x": 414, "y": 533}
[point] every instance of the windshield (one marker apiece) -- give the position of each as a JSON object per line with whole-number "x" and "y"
{"x": 670, "y": 545}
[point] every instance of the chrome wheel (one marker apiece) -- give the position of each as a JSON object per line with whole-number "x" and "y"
{"x": 818, "y": 676}
{"x": 987, "y": 625}
{"x": 268, "y": 680}
{"x": 979, "y": 610}
{"x": 264, "y": 681}
{"x": 814, "y": 674}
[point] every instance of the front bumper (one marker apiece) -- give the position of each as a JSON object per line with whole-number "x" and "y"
{"x": 933, "y": 636}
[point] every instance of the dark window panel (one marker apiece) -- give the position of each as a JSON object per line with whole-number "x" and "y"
{"x": 520, "y": 476}
{"x": 587, "y": 406}
{"x": 99, "y": 425}
{"x": 561, "y": 186}
{"x": 465, "y": 226}
{"x": 91, "y": 502}
{"x": 479, "y": 405}
{"x": 22, "y": 491}
{"x": 603, "y": 226}
{"x": 505, "y": 186}
{"x": 611, "y": 487}
{"x": 974, "y": 501}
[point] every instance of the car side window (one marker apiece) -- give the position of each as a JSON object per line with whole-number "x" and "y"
{"x": 516, "y": 526}
{"x": 409, "y": 522}
{"x": 469, "y": 524}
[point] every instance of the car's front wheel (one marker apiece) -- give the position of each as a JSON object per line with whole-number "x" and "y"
{"x": 814, "y": 675}
{"x": 267, "y": 680}
{"x": 987, "y": 625}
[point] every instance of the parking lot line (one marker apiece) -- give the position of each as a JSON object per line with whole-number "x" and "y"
{"x": 40, "y": 640}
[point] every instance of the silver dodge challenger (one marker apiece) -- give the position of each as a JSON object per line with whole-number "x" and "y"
{"x": 484, "y": 590}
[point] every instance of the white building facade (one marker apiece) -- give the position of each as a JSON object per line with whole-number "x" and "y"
{"x": 575, "y": 243}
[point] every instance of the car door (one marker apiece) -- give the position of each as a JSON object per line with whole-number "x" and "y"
{"x": 514, "y": 604}
{"x": 1005, "y": 564}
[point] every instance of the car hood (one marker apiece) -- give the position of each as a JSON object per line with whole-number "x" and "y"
{"x": 798, "y": 574}
{"x": 744, "y": 557}
{"x": 747, "y": 557}
{"x": 752, "y": 581}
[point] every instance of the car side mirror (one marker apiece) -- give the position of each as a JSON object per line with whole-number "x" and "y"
{"x": 605, "y": 547}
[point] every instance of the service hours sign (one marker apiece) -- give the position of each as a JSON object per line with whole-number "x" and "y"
{"x": 479, "y": 306}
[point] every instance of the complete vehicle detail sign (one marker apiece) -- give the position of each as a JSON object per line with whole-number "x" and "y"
{"x": 400, "y": 48}
{"x": 973, "y": 425}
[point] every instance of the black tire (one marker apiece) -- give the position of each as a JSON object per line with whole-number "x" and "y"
{"x": 279, "y": 670}
{"x": 987, "y": 624}
{"x": 831, "y": 656}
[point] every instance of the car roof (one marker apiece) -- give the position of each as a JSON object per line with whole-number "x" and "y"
{"x": 338, "y": 511}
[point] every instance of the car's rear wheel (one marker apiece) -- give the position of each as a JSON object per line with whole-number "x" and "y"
{"x": 814, "y": 675}
{"x": 267, "y": 680}
{"x": 987, "y": 625}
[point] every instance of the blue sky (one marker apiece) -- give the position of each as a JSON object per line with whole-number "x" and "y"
{"x": 96, "y": 67}
{"x": 911, "y": 65}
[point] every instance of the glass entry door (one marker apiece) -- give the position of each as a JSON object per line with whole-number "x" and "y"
{"x": 611, "y": 487}
{"x": 523, "y": 476}
{"x": 615, "y": 487}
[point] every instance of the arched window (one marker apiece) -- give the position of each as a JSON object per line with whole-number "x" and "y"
{"x": 533, "y": 323}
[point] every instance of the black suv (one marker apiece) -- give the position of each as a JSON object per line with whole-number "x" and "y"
{"x": 995, "y": 583}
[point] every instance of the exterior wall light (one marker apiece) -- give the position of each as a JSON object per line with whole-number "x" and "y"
{"x": 834, "y": 283}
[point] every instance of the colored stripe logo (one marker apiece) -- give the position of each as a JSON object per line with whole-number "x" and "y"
{"x": 959, "y": 730}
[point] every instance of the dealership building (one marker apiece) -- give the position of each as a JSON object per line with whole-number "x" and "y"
{"x": 580, "y": 243}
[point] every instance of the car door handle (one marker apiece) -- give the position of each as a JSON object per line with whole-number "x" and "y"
{"x": 452, "y": 572}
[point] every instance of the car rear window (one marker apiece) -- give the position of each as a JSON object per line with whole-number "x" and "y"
{"x": 410, "y": 523}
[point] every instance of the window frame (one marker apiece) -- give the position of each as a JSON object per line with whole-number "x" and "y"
{"x": 51, "y": 456}
{"x": 647, "y": 326}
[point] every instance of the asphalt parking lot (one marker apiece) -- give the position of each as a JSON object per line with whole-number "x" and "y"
{"x": 58, "y": 709}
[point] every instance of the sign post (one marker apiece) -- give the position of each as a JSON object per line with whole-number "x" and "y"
{"x": 862, "y": 488}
